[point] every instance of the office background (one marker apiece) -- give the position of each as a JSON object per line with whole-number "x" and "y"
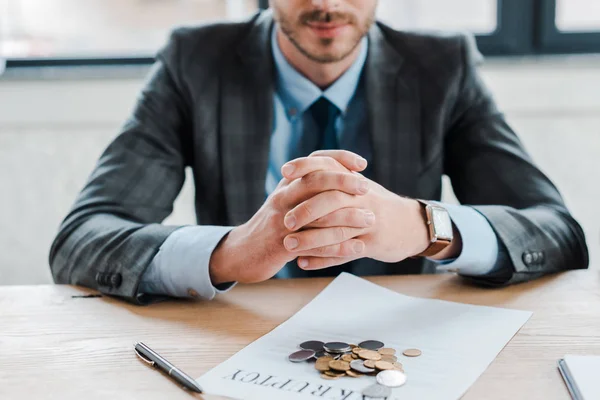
{"x": 73, "y": 68}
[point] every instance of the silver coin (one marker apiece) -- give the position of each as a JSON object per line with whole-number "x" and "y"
{"x": 391, "y": 378}
{"x": 302, "y": 355}
{"x": 312, "y": 345}
{"x": 337, "y": 347}
{"x": 358, "y": 365}
{"x": 377, "y": 391}
{"x": 371, "y": 345}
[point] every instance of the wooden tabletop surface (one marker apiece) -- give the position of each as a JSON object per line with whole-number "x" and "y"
{"x": 56, "y": 345}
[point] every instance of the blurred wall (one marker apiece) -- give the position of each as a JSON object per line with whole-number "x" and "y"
{"x": 53, "y": 131}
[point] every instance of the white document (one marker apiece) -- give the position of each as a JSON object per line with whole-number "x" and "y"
{"x": 582, "y": 375}
{"x": 458, "y": 342}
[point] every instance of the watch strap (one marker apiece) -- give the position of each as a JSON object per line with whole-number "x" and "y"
{"x": 434, "y": 248}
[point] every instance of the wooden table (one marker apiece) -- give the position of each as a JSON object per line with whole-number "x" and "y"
{"x": 57, "y": 346}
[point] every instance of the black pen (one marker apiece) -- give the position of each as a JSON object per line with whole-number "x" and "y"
{"x": 152, "y": 358}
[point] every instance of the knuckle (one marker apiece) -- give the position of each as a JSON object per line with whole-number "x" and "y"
{"x": 307, "y": 210}
{"x": 331, "y": 162}
{"x": 311, "y": 180}
{"x": 342, "y": 180}
{"x": 328, "y": 250}
{"x": 320, "y": 251}
{"x": 277, "y": 197}
{"x": 338, "y": 196}
{"x": 298, "y": 163}
{"x": 322, "y": 221}
{"x": 346, "y": 250}
{"x": 352, "y": 217}
{"x": 341, "y": 233}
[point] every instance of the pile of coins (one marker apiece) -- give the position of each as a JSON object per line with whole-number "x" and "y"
{"x": 369, "y": 358}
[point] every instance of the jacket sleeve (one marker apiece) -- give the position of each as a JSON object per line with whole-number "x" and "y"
{"x": 114, "y": 229}
{"x": 491, "y": 171}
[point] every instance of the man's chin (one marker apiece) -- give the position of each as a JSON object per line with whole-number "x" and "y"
{"x": 326, "y": 57}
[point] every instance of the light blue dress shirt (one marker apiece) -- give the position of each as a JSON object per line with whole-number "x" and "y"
{"x": 181, "y": 267}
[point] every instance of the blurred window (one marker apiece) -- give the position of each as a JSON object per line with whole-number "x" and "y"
{"x": 578, "y": 15}
{"x": 102, "y": 28}
{"x": 477, "y": 16}
{"x": 60, "y": 32}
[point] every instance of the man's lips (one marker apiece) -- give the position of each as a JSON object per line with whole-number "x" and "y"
{"x": 327, "y": 30}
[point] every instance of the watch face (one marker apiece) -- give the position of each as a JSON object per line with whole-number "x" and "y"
{"x": 442, "y": 225}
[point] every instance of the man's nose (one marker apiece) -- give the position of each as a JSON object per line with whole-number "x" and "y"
{"x": 326, "y": 4}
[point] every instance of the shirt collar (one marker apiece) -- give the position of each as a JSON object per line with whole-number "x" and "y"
{"x": 298, "y": 93}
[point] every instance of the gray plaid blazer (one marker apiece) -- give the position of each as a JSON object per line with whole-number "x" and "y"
{"x": 208, "y": 104}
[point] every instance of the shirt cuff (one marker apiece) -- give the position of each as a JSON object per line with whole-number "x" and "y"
{"x": 479, "y": 243}
{"x": 181, "y": 266}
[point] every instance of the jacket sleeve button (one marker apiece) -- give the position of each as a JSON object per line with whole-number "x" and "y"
{"x": 116, "y": 280}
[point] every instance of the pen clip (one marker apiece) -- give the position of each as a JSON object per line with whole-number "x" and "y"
{"x": 144, "y": 359}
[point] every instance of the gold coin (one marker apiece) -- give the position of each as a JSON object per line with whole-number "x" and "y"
{"x": 324, "y": 358}
{"x": 369, "y": 355}
{"x": 356, "y": 350}
{"x": 354, "y": 356}
{"x": 353, "y": 374}
{"x": 388, "y": 358}
{"x": 386, "y": 351}
{"x": 369, "y": 363}
{"x": 339, "y": 365}
{"x": 324, "y": 376}
{"x": 352, "y": 346}
{"x": 412, "y": 353}
{"x": 334, "y": 373}
{"x": 383, "y": 365}
{"x": 347, "y": 357}
{"x": 398, "y": 365}
{"x": 322, "y": 365}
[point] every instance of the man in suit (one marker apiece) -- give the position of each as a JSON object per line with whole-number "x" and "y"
{"x": 311, "y": 129}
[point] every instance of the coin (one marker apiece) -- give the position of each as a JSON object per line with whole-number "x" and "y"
{"x": 356, "y": 350}
{"x": 412, "y": 353}
{"x": 369, "y": 355}
{"x": 324, "y": 376}
{"x": 383, "y": 365}
{"x": 334, "y": 373}
{"x": 339, "y": 365}
{"x": 322, "y": 364}
{"x": 377, "y": 391}
{"x": 353, "y": 374}
{"x": 386, "y": 351}
{"x": 398, "y": 365}
{"x": 391, "y": 378}
{"x": 369, "y": 363}
{"x": 388, "y": 358}
{"x": 336, "y": 347}
{"x": 352, "y": 345}
{"x": 371, "y": 344}
{"x": 347, "y": 357}
{"x": 312, "y": 345}
{"x": 354, "y": 356}
{"x": 357, "y": 365}
{"x": 301, "y": 355}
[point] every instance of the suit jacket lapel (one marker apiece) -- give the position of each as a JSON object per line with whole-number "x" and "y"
{"x": 246, "y": 118}
{"x": 394, "y": 117}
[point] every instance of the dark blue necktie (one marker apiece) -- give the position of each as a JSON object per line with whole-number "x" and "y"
{"x": 319, "y": 131}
